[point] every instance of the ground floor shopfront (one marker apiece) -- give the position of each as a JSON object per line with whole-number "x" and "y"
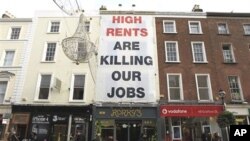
{"x": 5, "y": 114}
{"x": 190, "y": 122}
{"x": 241, "y": 113}
{"x": 123, "y": 123}
{"x": 51, "y": 123}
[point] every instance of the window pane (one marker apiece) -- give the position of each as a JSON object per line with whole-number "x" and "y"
{"x": 50, "y": 53}
{"x": 44, "y": 86}
{"x": 175, "y": 94}
{"x": 79, "y": 87}
{"x": 194, "y": 28}
{"x": 234, "y": 88}
{"x": 227, "y": 54}
{"x": 169, "y": 27}
{"x": 198, "y": 52}
{"x": 15, "y": 33}
{"x": 222, "y": 28}
{"x": 171, "y": 51}
{"x": 54, "y": 27}
{"x": 203, "y": 87}
{"x": 9, "y": 56}
{"x": 87, "y": 26}
{"x": 177, "y": 132}
{"x": 203, "y": 92}
{"x": 3, "y": 86}
{"x": 246, "y": 28}
{"x": 174, "y": 87}
{"x": 202, "y": 81}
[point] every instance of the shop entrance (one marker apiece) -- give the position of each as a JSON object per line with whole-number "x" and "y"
{"x": 128, "y": 130}
{"x": 60, "y": 132}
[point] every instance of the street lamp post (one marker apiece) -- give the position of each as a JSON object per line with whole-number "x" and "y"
{"x": 222, "y": 95}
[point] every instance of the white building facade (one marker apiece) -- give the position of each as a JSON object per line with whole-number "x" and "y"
{"x": 15, "y": 35}
{"x": 55, "y": 103}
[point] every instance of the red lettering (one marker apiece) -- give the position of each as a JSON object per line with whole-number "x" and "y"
{"x": 127, "y": 19}
{"x": 110, "y": 32}
{"x": 127, "y": 32}
{"x": 144, "y": 32}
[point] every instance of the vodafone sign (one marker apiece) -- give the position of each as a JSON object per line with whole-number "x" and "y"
{"x": 190, "y": 111}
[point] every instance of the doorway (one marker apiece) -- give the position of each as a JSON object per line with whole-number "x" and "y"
{"x": 60, "y": 132}
{"x": 128, "y": 130}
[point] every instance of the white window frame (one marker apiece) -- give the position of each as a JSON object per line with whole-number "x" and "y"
{"x": 179, "y": 127}
{"x": 246, "y": 32}
{"x": 177, "y": 52}
{"x": 169, "y": 21}
{"x": 38, "y": 87}
{"x": 45, "y": 52}
{"x": 225, "y": 58}
{"x": 72, "y": 88}
{"x": 203, "y": 52}
{"x": 6, "y": 90}
{"x": 180, "y": 86}
{"x": 50, "y": 24}
{"x": 240, "y": 89}
{"x": 210, "y": 95}
{"x": 226, "y": 28}
{"x": 10, "y": 32}
{"x": 4, "y": 56}
{"x": 190, "y": 29}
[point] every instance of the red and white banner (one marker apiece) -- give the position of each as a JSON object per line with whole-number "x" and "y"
{"x": 190, "y": 110}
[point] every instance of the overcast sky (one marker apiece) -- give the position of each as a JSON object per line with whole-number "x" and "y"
{"x": 27, "y": 8}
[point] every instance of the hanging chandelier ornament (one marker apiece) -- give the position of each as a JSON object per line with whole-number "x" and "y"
{"x": 79, "y": 48}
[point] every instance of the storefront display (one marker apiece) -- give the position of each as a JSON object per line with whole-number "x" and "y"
{"x": 126, "y": 123}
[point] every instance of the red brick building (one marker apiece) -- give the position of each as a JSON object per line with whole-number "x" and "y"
{"x": 200, "y": 54}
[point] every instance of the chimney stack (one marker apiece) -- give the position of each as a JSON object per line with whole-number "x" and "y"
{"x": 197, "y": 8}
{"x": 8, "y": 15}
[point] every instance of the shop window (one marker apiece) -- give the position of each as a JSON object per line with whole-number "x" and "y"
{"x": 176, "y": 132}
{"x": 176, "y": 129}
{"x": 79, "y": 129}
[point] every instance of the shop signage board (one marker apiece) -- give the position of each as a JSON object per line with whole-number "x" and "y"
{"x": 190, "y": 110}
{"x": 126, "y": 71}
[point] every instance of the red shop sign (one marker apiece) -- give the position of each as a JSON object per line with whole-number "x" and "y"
{"x": 190, "y": 111}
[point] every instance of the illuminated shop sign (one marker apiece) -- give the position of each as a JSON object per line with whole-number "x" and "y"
{"x": 190, "y": 111}
{"x": 126, "y": 71}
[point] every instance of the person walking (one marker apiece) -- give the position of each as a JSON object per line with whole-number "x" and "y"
{"x": 216, "y": 137}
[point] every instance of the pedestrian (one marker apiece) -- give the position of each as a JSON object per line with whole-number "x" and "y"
{"x": 141, "y": 138}
{"x": 216, "y": 137}
{"x": 204, "y": 136}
